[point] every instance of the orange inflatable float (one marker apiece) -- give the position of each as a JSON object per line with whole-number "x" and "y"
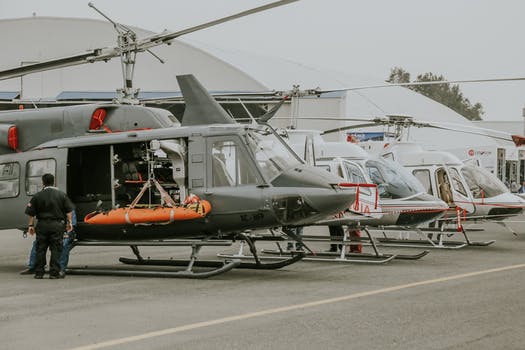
{"x": 123, "y": 216}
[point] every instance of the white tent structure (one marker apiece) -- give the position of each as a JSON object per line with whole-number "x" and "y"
{"x": 33, "y": 39}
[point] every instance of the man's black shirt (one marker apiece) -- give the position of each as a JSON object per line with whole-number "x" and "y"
{"x": 49, "y": 204}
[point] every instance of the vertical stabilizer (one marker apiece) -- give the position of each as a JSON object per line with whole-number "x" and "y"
{"x": 201, "y": 107}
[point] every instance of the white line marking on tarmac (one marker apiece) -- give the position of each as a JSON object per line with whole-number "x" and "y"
{"x": 223, "y": 320}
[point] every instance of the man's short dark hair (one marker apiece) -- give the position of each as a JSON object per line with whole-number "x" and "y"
{"x": 48, "y": 180}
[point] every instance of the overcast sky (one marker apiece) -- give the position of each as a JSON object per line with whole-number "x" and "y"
{"x": 461, "y": 39}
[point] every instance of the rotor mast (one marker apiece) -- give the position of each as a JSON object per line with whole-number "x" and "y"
{"x": 127, "y": 45}
{"x": 295, "y": 94}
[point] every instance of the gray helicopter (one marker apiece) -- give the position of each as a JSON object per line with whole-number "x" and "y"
{"x": 217, "y": 179}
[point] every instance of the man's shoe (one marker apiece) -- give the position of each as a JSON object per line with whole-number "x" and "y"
{"x": 39, "y": 277}
{"x": 27, "y": 272}
{"x": 61, "y": 274}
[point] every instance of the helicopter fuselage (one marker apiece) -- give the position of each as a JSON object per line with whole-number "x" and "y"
{"x": 216, "y": 163}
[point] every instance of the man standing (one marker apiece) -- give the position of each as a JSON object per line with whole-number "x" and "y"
{"x": 52, "y": 208}
{"x": 68, "y": 239}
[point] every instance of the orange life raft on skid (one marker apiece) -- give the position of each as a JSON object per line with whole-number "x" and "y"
{"x": 123, "y": 216}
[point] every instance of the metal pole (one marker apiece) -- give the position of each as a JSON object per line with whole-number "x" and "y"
{"x": 112, "y": 175}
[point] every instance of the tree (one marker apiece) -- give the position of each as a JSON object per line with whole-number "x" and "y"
{"x": 448, "y": 94}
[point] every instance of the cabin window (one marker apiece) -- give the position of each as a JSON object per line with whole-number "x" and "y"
{"x": 230, "y": 166}
{"x": 35, "y": 170}
{"x": 424, "y": 177}
{"x": 9, "y": 180}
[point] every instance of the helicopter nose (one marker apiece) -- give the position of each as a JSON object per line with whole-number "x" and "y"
{"x": 420, "y": 209}
{"x": 318, "y": 195}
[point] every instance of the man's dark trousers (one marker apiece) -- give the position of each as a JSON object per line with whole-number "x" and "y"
{"x": 49, "y": 233}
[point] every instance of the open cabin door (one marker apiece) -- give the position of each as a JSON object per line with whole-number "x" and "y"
{"x": 452, "y": 189}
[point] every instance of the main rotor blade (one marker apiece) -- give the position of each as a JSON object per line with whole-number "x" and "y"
{"x": 418, "y": 83}
{"x": 107, "y": 53}
{"x": 348, "y": 127}
{"x": 225, "y": 94}
{"x": 467, "y": 129}
{"x": 360, "y": 119}
{"x": 163, "y": 38}
{"x": 474, "y": 130}
{"x": 81, "y": 58}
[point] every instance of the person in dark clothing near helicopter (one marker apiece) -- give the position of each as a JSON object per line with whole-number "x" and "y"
{"x": 68, "y": 239}
{"x": 51, "y": 207}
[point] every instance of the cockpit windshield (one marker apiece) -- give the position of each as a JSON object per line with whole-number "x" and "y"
{"x": 482, "y": 183}
{"x": 392, "y": 180}
{"x": 272, "y": 155}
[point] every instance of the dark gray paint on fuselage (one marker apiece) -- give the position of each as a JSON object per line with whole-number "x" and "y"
{"x": 37, "y": 126}
{"x": 234, "y": 209}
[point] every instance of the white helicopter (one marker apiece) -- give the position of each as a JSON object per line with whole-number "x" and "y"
{"x": 471, "y": 192}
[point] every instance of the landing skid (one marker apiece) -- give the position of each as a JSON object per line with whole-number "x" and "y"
{"x": 369, "y": 258}
{"x": 426, "y": 241}
{"x": 211, "y": 263}
{"x": 219, "y": 267}
{"x": 227, "y": 266}
{"x": 347, "y": 258}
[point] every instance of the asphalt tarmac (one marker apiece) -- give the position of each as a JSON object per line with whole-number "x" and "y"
{"x": 470, "y": 298}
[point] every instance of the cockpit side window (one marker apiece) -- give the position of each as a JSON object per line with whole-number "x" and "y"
{"x": 230, "y": 166}
{"x": 482, "y": 183}
{"x": 375, "y": 175}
